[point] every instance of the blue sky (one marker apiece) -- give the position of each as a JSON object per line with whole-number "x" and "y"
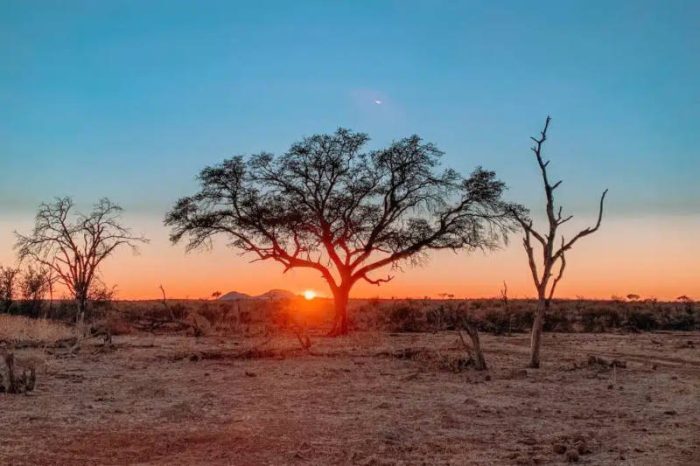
{"x": 93, "y": 94}
{"x": 130, "y": 99}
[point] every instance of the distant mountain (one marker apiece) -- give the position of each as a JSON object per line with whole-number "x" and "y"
{"x": 277, "y": 295}
{"x": 272, "y": 295}
{"x": 234, "y": 296}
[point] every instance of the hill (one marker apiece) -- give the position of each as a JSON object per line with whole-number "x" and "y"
{"x": 272, "y": 295}
{"x": 234, "y": 296}
{"x": 277, "y": 295}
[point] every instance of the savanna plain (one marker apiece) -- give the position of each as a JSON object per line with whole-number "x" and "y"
{"x": 259, "y": 382}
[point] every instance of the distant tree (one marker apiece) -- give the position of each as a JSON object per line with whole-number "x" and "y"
{"x": 326, "y": 205}
{"x": 34, "y": 284}
{"x": 74, "y": 245}
{"x": 216, "y": 294}
{"x": 633, "y": 297}
{"x": 8, "y": 284}
{"x": 553, "y": 261}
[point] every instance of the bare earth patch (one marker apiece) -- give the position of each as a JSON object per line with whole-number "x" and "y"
{"x": 365, "y": 399}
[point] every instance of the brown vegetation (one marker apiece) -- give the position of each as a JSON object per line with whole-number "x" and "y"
{"x": 371, "y": 398}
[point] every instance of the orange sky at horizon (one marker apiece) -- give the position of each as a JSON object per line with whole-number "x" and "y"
{"x": 649, "y": 256}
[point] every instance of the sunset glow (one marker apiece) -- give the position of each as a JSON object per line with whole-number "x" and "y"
{"x": 309, "y": 295}
{"x": 645, "y": 137}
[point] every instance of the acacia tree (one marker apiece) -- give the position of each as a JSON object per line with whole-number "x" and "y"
{"x": 74, "y": 245}
{"x": 550, "y": 271}
{"x": 327, "y": 205}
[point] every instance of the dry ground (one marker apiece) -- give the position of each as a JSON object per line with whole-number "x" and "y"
{"x": 180, "y": 400}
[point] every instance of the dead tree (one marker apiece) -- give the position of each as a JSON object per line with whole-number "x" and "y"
{"x": 550, "y": 271}
{"x": 73, "y": 246}
{"x": 476, "y": 355}
{"x": 326, "y": 205}
{"x": 506, "y": 307}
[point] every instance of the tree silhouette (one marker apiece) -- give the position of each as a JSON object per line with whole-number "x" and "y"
{"x": 74, "y": 245}
{"x": 327, "y": 206}
{"x": 552, "y": 256}
{"x": 8, "y": 283}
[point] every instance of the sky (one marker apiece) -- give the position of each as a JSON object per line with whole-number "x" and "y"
{"x": 130, "y": 99}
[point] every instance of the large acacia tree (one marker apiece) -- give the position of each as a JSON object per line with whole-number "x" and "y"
{"x": 73, "y": 245}
{"x": 328, "y": 205}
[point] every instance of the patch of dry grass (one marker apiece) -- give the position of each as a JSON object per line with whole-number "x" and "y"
{"x": 23, "y": 329}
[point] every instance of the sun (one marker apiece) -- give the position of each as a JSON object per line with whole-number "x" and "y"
{"x": 309, "y": 294}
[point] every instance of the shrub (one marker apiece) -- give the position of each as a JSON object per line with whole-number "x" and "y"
{"x": 638, "y": 319}
{"x": 406, "y": 318}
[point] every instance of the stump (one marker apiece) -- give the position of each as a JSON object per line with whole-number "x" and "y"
{"x": 11, "y": 383}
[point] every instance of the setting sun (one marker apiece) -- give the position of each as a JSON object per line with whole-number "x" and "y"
{"x": 309, "y": 294}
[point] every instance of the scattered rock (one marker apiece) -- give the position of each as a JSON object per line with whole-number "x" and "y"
{"x": 250, "y": 374}
{"x": 582, "y": 448}
{"x": 559, "y": 448}
{"x": 572, "y": 456}
{"x": 596, "y": 361}
{"x": 517, "y": 374}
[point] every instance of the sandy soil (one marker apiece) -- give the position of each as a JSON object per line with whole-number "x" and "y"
{"x": 180, "y": 400}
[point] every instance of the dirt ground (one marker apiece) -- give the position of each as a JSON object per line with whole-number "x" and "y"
{"x": 362, "y": 399}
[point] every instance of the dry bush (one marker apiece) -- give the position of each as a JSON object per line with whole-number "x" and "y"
{"x": 490, "y": 315}
{"x": 23, "y": 329}
{"x": 259, "y": 317}
{"x": 198, "y": 317}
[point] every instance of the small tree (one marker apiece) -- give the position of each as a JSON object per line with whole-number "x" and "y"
{"x": 8, "y": 284}
{"x": 34, "y": 285}
{"x": 74, "y": 245}
{"x": 327, "y": 206}
{"x": 553, "y": 261}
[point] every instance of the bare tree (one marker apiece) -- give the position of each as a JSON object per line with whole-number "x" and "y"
{"x": 506, "y": 307}
{"x": 8, "y": 285}
{"x": 327, "y": 206}
{"x": 551, "y": 270}
{"x": 74, "y": 245}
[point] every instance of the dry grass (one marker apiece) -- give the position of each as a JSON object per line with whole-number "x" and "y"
{"x": 360, "y": 400}
{"x": 15, "y": 329}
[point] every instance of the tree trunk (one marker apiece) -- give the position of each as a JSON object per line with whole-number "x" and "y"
{"x": 82, "y": 306}
{"x": 478, "y": 356}
{"x": 536, "y": 335}
{"x": 340, "y": 321}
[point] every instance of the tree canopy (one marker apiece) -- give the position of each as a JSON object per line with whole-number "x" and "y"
{"x": 328, "y": 205}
